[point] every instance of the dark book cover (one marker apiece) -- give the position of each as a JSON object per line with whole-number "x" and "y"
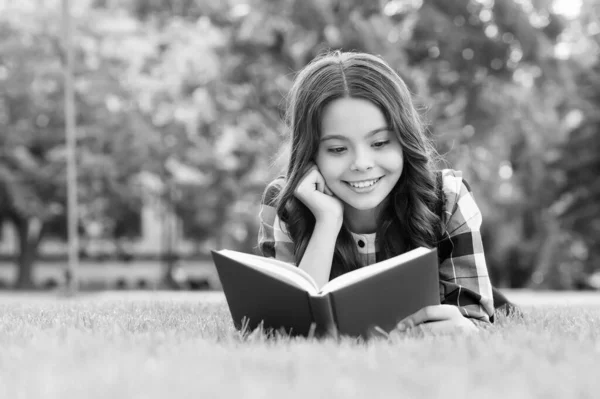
{"x": 258, "y": 297}
{"x": 386, "y": 298}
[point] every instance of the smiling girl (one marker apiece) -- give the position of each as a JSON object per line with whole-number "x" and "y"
{"x": 361, "y": 187}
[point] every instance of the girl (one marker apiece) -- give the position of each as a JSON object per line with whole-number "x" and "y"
{"x": 361, "y": 187}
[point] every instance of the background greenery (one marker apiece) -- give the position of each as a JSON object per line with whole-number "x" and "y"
{"x": 509, "y": 89}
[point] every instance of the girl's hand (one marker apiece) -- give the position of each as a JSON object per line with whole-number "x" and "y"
{"x": 438, "y": 319}
{"x": 314, "y": 193}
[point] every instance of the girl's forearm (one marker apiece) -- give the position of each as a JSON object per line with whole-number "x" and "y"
{"x": 319, "y": 252}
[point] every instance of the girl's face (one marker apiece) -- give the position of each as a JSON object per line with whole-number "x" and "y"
{"x": 359, "y": 158}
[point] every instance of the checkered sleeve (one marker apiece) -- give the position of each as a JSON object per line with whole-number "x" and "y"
{"x": 273, "y": 239}
{"x": 464, "y": 279}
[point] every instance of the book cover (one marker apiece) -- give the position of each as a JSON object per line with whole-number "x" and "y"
{"x": 254, "y": 297}
{"x": 384, "y": 299}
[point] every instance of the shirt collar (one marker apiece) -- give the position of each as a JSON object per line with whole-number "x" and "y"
{"x": 365, "y": 243}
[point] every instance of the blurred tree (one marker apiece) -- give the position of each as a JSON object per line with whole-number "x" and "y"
{"x": 491, "y": 85}
{"x": 32, "y": 187}
{"x": 191, "y": 92}
{"x": 112, "y": 142}
{"x": 485, "y": 72}
{"x": 213, "y": 100}
{"x": 575, "y": 162}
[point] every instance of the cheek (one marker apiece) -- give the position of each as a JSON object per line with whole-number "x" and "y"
{"x": 397, "y": 164}
{"x": 330, "y": 168}
{"x": 394, "y": 161}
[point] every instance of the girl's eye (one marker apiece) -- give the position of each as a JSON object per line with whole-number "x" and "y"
{"x": 336, "y": 150}
{"x": 380, "y": 144}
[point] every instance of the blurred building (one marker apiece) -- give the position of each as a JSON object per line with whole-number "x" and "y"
{"x": 160, "y": 231}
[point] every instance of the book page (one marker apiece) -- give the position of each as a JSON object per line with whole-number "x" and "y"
{"x": 275, "y": 268}
{"x": 360, "y": 274}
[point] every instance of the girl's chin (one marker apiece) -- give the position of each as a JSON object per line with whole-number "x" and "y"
{"x": 363, "y": 202}
{"x": 365, "y": 205}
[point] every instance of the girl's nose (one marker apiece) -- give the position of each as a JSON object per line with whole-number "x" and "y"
{"x": 362, "y": 161}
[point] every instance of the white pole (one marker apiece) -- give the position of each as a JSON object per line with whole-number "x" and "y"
{"x": 71, "y": 280}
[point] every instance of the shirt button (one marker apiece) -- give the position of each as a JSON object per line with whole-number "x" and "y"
{"x": 361, "y": 243}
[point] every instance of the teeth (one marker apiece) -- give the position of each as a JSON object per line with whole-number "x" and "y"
{"x": 363, "y": 184}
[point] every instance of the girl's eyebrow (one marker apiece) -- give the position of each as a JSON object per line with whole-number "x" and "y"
{"x": 340, "y": 137}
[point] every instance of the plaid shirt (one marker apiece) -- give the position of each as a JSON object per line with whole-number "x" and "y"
{"x": 464, "y": 280}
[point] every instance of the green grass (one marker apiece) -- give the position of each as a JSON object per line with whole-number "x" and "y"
{"x": 124, "y": 348}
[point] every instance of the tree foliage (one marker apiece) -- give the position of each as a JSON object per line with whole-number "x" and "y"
{"x": 191, "y": 93}
{"x": 576, "y": 159}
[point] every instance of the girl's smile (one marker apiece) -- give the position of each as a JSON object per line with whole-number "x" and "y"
{"x": 364, "y": 186}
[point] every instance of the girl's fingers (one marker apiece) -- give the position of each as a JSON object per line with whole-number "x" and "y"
{"x": 319, "y": 181}
{"x": 307, "y": 182}
{"x": 429, "y": 314}
{"x": 312, "y": 180}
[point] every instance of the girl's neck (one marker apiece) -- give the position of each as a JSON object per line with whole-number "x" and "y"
{"x": 361, "y": 221}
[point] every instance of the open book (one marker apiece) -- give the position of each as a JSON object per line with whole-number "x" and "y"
{"x": 282, "y": 296}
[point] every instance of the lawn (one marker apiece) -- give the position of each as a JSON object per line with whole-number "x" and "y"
{"x": 183, "y": 345}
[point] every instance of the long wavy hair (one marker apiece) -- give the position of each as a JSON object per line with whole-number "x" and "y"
{"x": 409, "y": 218}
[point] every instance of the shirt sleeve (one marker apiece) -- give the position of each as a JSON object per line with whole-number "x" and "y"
{"x": 273, "y": 239}
{"x": 464, "y": 278}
